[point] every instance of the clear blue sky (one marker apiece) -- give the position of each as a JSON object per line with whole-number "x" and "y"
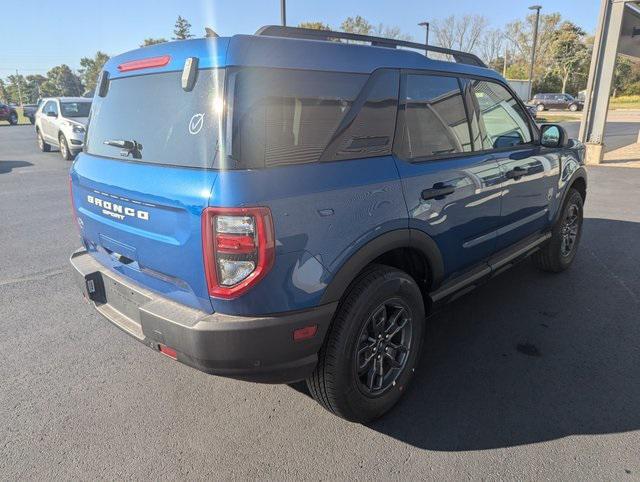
{"x": 39, "y": 34}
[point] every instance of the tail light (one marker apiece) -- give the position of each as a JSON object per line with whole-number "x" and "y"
{"x": 239, "y": 247}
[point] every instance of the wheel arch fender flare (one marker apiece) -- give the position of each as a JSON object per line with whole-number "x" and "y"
{"x": 579, "y": 174}
{"x": 360, "y": 259}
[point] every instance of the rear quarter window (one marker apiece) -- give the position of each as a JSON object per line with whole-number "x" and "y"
{"x": 281, "y": 116}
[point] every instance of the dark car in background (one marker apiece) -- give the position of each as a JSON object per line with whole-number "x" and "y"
{"x": 8, "y": 113}
{"x": 557, "y": 101}
{"x": 29, "y": 111}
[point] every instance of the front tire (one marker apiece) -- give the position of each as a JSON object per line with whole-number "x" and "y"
{"x": 573, "y": 108}
{"x": 373, "y": 346}
{"x": 44, "y": 147}
{"x": 558, "y": 254}
{"x": 65, "y": 152}
{"x": 13, "y": 119}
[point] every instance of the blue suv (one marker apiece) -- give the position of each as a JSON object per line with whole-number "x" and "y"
{"x": 292, "y": 205}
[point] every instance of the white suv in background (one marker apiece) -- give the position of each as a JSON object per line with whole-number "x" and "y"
{"x": 62, "y": 122}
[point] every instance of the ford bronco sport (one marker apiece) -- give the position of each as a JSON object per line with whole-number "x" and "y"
{"x": 285, "y": 206}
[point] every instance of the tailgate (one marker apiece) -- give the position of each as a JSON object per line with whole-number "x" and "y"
{"x": 144, "y": 221}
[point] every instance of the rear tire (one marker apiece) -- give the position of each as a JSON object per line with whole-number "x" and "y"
{"x": 13, "y": 118}
{"x": 372, "y": 349}
{"x": 65, "y": 152}
{"x": 558, "y": 254}
{"x": 44, "y": 147}
{"x": 540, "y": 107}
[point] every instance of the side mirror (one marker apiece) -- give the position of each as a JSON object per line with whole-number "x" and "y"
{"x": 52, "y": 114}
{"x": 553, "y": 135}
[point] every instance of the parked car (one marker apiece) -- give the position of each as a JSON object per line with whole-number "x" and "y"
{"x": 29, "y": 111}
{"x": 61, "y": 122}
{"x": 8, "y": 113}
{"x": 282, "y": 207}
{"x": 557, "y": 101}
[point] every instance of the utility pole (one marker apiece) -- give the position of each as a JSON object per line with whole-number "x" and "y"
{"x": 533, "y": 46}
{"x": 283, "y": 12}
{"x": 19, "y": 89}
{"x": 426, "y": 39}
{"x": 504, "y": 66}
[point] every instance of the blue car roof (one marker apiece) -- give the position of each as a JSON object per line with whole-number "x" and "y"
{"x": 263, "y": 51}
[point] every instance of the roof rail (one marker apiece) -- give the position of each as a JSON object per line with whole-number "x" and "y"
{"x": 313, "y": 34}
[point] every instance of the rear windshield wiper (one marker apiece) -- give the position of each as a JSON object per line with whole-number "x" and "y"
{"x": 128, "y": 147}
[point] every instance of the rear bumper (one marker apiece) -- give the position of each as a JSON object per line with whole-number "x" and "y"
{"x": 259, "y": 349}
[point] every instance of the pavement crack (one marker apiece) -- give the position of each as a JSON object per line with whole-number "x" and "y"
{"x": 38, "y": 276}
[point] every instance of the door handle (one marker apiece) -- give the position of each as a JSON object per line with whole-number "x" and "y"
{"x": 516, "y": 173}
{"x": 438, "y": 191}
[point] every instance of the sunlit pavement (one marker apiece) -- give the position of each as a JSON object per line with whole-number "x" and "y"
{"x": 80, "y": 399}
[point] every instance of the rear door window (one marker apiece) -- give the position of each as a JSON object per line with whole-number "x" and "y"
{"x": 280, "y": 116}
{"x": 435, "y": 120}
{"x": 164, "y": 123}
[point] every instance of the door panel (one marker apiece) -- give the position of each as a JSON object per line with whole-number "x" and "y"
{"x": 452, "y": 194}
{"x": 527, "y": 193}
{"x": 462, "y": 223}
{"x": 526, "y": 173}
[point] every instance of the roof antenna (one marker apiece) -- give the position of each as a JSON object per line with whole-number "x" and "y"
{"x": 209, "y": 33}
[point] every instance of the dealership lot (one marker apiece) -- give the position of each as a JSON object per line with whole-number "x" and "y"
{"x": 531, "y": 376}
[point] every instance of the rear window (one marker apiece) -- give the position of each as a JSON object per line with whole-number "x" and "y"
{"x": 164, "y": 123}
{"x": 75, "y": 109}
{"x": 284, "y": 116}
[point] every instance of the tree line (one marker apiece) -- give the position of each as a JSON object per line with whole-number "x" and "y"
{"x": 563, "y": 54}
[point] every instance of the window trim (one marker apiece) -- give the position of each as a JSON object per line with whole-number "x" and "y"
{"x": 534, "y": 132}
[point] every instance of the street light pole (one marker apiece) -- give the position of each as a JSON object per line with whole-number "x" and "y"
{"x": 533, "y": 46}
{"x": 426, "y": 39}
{"x": 283, "y": 12}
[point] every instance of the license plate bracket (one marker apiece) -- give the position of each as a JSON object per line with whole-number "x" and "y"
{"x": 95, "y": 287}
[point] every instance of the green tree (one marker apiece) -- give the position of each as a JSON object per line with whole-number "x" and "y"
{"x": 314, "y": 25}
{"x": 152, "y": 41}
{"x": 4, "y": 95}
{"x": 61, "y": 81}
{"x": 569, "y": 54}
{"x": 90, "y": 69}
{"x": 33, "y": 88}
{"x": 16, "y": 84}
{"x": 519, "y": 35}
{"x": 357, "y": 25}
{"x": 182, "y": 29}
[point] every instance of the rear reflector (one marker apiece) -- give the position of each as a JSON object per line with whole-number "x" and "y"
{"x": 145, "y": 63}
{"x": 305, "y": 333}
{"x": 170, "y": 352}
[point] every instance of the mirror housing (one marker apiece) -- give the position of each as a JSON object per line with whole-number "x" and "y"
{"x": 553, "y": 136}
{"x": 52, "y": 114}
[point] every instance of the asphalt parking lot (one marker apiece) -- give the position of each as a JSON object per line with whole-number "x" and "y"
{"x": 80, "y": 399}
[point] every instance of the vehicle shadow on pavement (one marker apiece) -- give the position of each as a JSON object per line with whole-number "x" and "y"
{"x": 8, "y": 166}
{"x": 533, "y": 356}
